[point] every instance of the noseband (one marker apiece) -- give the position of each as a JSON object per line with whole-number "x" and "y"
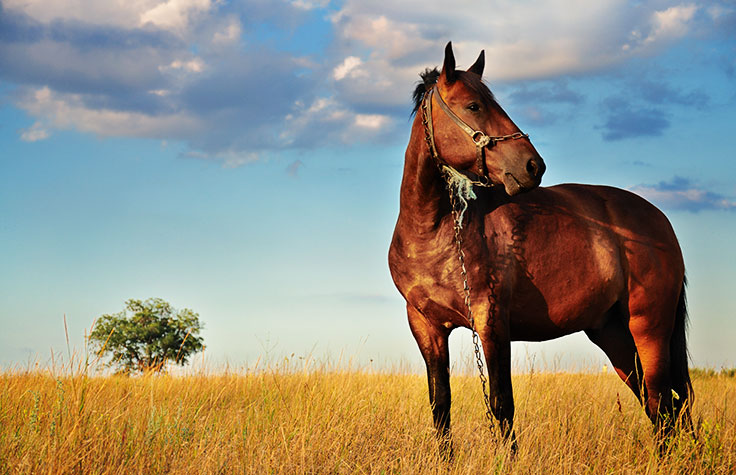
{"x": 479, "y": 138}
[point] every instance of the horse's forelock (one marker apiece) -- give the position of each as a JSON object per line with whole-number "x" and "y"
{"x": 429, "y": 79}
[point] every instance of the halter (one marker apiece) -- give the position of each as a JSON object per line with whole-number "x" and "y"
{"x": 479, "y": 138}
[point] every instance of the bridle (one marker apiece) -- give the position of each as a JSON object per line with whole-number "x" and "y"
{"x": 479, "y": 138}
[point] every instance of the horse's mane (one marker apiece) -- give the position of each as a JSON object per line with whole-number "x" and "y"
{"x": 470, "y": 80}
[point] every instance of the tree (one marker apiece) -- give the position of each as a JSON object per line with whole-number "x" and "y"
{"x": 147, "y": 335}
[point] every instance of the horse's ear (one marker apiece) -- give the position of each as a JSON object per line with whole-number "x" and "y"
{"x": 479, "y": 64}
{"x": 448, "y": 67}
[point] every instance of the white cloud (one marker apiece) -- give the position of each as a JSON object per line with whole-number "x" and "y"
{"x": 671, "y": 23}
{"x": 310, "y": 5}
{"x": 194, "y": 65}
{"x": 34, "y": 133}
{"x": 371, "y": 121}
{"x": 120, "y": 13}
{"x": 522, "y": 40}
{"x": 683, "y": 194}
{"x": 65, "y": 111}
{"x": 171, "y": 15}
{"x": 664, "y": 26}
{"x": 349, "y": 67}
{"x": 229, "y": 34}
{"x": 327, "y": 120}
{"x": 171, "y": 68}
{"x": 174, "y": 14}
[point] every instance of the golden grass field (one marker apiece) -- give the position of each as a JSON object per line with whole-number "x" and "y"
{"x": 284, "y": 420}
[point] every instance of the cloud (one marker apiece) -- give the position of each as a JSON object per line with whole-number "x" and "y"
{"x": 348, "y": 68}
{"x": 34, "y": 133}
{"x": 177, "y": 74}
{"x": 536, "y": 97}
{"x": 66, "y": 111}
{"x": 683, "y": 194}
{"x": 327, "y": 121}
{"x": 174, "y": 14}
{"x": 523, "y": 40}
{"x": 670, "y": 23}
{"x": 640, "y": 112}
{"x": 659, "y": 92}
{"x": 626, "y": 121}
{"x": 549, "y": 92}
{"x": 204, "y": 73}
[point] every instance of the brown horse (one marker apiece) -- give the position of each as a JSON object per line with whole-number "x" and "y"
{"x": 539, "y": 265}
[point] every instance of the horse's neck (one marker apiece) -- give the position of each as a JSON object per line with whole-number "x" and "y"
{"x": 423, "y": 194}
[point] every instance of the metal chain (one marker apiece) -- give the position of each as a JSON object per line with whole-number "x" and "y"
{"x": 466, "y": 289}
{"x": 457, "y": 220}
{"x": 514, "y": 136}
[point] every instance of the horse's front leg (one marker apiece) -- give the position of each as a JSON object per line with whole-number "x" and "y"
{"x": 496, "y": 339}
{"x": 432, "y": 341}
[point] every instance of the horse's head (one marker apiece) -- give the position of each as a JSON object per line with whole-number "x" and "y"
{"x": 471, "y": 132}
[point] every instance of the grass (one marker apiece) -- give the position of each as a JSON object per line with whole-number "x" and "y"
{"x": 323, "y": 420}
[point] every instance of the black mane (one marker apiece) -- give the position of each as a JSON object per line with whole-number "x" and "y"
{"x": 470, "y": 80}
{"x": 429, "y": 79}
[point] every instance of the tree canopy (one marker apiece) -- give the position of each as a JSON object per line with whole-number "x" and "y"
{"x": 147, "y": 335}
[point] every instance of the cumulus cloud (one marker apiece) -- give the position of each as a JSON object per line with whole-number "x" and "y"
{"x": 327, "y": 121}
{"x": 170, "y": 70}
{"x": 198, "y": 70}
{"x": 528, "y": 41}
{"x": 66, "y": 111}
{"x": 349, "y": 68}
{"x": 174, "y": 14}
{"x": 684, "y": 194}
{"x": 664, "y": 25}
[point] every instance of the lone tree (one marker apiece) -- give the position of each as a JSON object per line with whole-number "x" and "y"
{"x": 147, "y": 335}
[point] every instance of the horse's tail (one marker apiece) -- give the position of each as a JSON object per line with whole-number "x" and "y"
{"x": 679, "y": 372}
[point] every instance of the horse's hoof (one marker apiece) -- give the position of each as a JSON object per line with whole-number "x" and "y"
{"x": 447, "y": 452}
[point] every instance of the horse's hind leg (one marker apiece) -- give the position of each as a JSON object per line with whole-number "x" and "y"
{"x": 615, "y": 339}
{"x": 652, "y": 335}
{"x": 432, "y": 341}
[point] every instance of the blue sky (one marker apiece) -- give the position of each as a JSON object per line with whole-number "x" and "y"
{"x": 243, "y": 159}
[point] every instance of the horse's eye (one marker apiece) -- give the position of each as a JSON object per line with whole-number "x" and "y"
{"x": 473, "y": 107}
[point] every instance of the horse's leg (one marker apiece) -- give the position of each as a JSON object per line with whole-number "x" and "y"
{"x": 652, "y": 337}
{"x": 432, "y": 341}
{"x": 497, "y": 347}
{"x": 615, "y": 339}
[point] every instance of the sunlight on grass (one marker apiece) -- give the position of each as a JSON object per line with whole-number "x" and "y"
{"x": 313, "y": 418}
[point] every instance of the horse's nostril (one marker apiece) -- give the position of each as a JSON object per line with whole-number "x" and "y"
{"x": 535, "y": 167}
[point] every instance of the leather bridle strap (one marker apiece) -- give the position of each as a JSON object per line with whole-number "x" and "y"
{"x": 479, "y": 138}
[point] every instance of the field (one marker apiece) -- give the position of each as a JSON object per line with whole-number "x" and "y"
{"x": 324, "y": 420}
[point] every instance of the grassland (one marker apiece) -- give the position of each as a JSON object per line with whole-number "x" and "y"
{"x": 321, "y": 420}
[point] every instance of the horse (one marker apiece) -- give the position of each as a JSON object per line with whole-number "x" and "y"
{"x": 536, "y": 262}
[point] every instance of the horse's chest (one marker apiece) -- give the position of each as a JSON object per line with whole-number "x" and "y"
{"x": 431, "y": 280}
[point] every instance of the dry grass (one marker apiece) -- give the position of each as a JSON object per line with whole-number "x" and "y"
{"x": 282, "y": 420}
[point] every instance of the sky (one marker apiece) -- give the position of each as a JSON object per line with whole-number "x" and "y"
{"x": 243, "y": 159}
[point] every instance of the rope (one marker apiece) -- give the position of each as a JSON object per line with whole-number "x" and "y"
{"x": 461, "y": 187}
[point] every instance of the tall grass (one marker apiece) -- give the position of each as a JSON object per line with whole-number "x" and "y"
{"x": 326, "y": 420}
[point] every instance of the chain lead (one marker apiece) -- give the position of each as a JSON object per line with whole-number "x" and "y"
{"x": 457, "y": 218}
{"x": 466, "y": 288}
